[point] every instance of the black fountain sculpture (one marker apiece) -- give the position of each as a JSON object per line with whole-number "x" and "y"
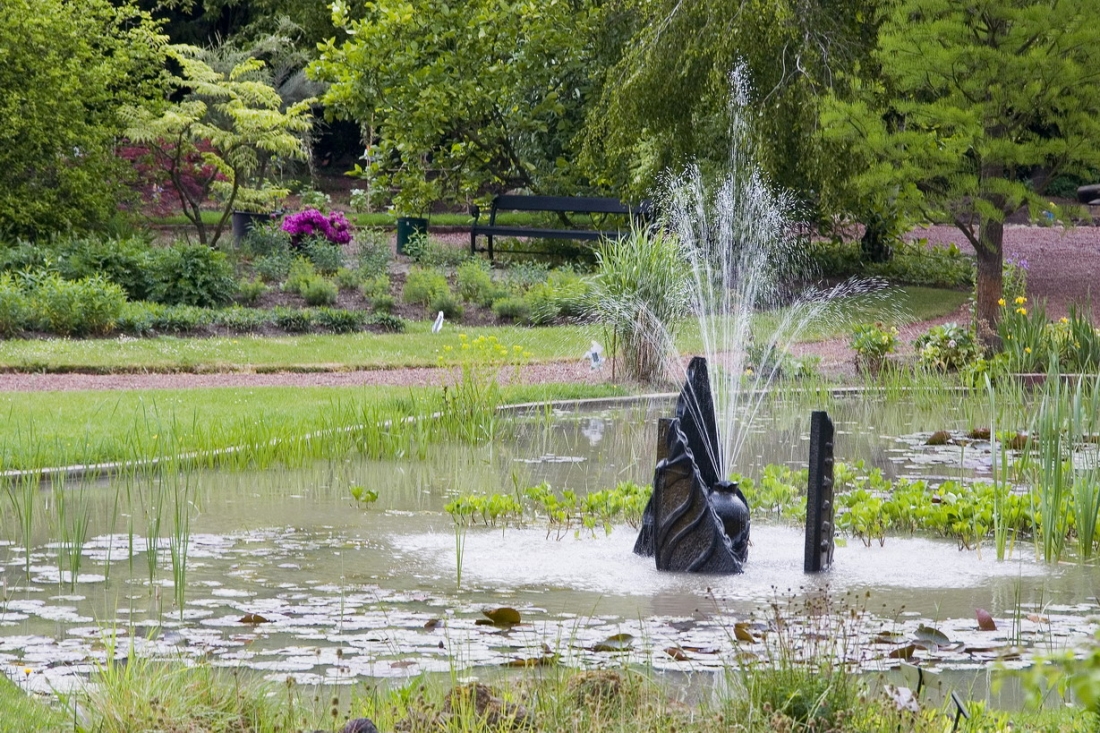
{"x": 696, "y": 521}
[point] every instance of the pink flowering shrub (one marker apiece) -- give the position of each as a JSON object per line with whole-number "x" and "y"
{"x": 312, "y": 223}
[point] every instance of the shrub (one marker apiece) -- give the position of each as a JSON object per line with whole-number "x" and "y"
{"x": 374, "y": 253}
{"x": 325, "y": 256}
{"x": 101, "y": 303}
{"x": 375, "y": 287}
{"x": 26, "y": 256}
{"x": 913, "y": 263}
{"x": 872, "y": 343}
{"x": 447, "y": 303}
{"x": 15, "y": 307}
{"x": 347, "y": 279}
{"x": 475, "y": 283}
{"x": 565, "y": 294}
{"x": 242, "y": 320}
{"x": 318, "y": 291}
{"x": 136, "y": 319}
{"x": 383, "y": 303}
{"x": 416, "y": 247}
{"x": 301, "y": 271}
{"x": 249, "y": 291}
{"x": 1031, "y": 343}
{"x": 272, "y": 268}
{"x": 125, "y": 262}
{"x": 56, "y": 304}
{"x": 513, "y": 307}
{"x": 388, "y": 322}
{"x": 181, "y": 318}
{"x": 266, "y": 240}
{"x": 338, "y": 320}
{"x": 949, "y": 347}
{"x": 422, "y": 286}
{"x": 295, "y": 320}
{"x": 192, "y": 274}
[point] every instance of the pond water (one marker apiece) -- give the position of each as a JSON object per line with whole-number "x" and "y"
{"x": 347, "y": 592}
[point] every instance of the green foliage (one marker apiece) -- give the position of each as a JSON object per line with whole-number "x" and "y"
{"x": 375, "y": 287}
{"x": 445, "y": 302}
{"x": 514, "y": 308}
{"x": 125, "y": 262}
{"x": 641, "y": 292}
{"x": 266, "y": 240}
{"x": 347, "y": 279}
{"x": 339, "y": 320}
{"x": 972, "y": 99}
{"x": 318, "y": 291}
{"x": 235, "y": 121}
{"x": 872, "y": 344}
{"x": 565, "y": 294}
{"x": 387, "y": 322}
{"x": 475, "y": 282}
{"x": 911, "y": 263}
{"x": 250, "y": 291}
{"x": 1033, "y": 344}
{"x": 241, "y": 320}
{"x": 75, "y": 308}
{"x": 373, "y": 253}
{"x": 15, "y": 307}
{"x": 948, "y": 347}
{"x": 66, "y": 66}
{"x": 424, "y": 286}
{"x": 192, "y": 274}
{"x": 273, "y": 268}
{"x": 294, "y": 320}
{"x": 462, "y": 99}
{"x": 300, "y": 272}
{"x": 383, "y": 304}
{"x": 325, "y": 256}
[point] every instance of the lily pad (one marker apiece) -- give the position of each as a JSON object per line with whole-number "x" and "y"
{"x": 616, "y": 643}
{"x": 677, "y": 653}
{"x": 931, "y": 635}
{"x": 985, "y": 620}
{"x": 741, "y": 632}
{"x": 253, "y": 618}
{"x": 503, "y": 616}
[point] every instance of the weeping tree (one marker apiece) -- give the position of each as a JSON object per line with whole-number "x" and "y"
{"x": 979, "y": 105}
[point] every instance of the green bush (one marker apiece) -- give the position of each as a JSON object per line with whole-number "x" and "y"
{"x": 416, "y": 246}
{"x": 181, "y": 318}
{"x": 375, "y": 287}
{"x": 347, "y": 279}
{"x": 325, "y": 256}
{"x": 15, "y": 307}
{"x": 294, "y": 320}
{"x": 125, "y": 262}
{"x": 192, "y": 274}
{"x": 338, "y": 320}
{"x": 565, "y": 294}
{"x": 383, "y": 303}
{"x": 136, "y": 319}
{"x": 102, "y": 302}
{"x": 422, "y": 286}
{"x": 475, "y": 282}
{"x": 447, "y": 303}
{"x": 301, "y": 272}
{"x": 67, "y": 308}
{"x": 513, "y": 307}
{"x": 241, "y": 320}
{"x": 318, "y": 291}
{"x": 273, "y": 268}
{"x": 388, "y": 322}
{"x": 249, "y": 291}
{"x": 912, "y": 263}
{"x": 948, "y": 348}
{"x": 872, "y": 344}
{"x": 25, "y": 256}
{"x": 267, "y": 240}
{"x": 374, "y": 252}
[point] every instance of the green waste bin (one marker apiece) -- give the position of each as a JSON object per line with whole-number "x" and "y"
{"x": 407, "y": 227}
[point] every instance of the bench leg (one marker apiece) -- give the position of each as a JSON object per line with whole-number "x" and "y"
{"x": 473, "y": 243}
{"x": 490, "y": 238}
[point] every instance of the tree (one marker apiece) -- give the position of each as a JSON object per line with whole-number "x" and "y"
{"x": 980, "y": 104}
{"x": 233, "y": 124}
{"x": 65, "y": 68}
{"x": 665, "y": 99}
{"x": 462, "y": 97}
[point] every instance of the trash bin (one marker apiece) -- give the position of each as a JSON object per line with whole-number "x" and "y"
{"x": 407, "y": 227}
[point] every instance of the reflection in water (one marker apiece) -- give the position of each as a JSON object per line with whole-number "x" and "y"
{"x": 347, "y": 592}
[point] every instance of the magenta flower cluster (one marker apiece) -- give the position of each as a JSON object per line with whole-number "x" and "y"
{"x": 312, "y": 223}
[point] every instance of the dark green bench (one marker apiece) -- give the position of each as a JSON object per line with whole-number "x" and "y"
{"x": 561, "y": 205}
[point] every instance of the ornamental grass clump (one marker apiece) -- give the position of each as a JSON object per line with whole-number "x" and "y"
{"x": 312, "y": 223}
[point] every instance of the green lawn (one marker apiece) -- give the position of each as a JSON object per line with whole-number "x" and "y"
{"x": 417, "y": 347}
{"x": 22, "y": 714}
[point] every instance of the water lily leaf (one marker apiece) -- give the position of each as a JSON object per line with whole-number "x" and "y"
{"x": 985, "y": 620}
{"x": 1036, "y": 618}
{"x": 741, "y": 632}
{"x": 616, "y": 643}
{"x": 677, "y": 653}
{"x": 546, "y": 660}
{"x": 905, "y": 652}
{"x": 402, "y": 664}
{"x": 503, "y": 616}
{"x": 931, "y": 635}
{"x": 701, "y": 649}
{"x": 887, "y": 637}
{"x": 433, "y": 623}
{"x": 253, "y": 618}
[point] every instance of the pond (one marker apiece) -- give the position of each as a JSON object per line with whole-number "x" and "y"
{"x": 287, "y": 575}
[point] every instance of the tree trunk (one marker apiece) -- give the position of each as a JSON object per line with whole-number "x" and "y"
{"x": 990, "y": 255}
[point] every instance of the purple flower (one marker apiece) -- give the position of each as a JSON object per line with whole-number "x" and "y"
{"x": 311, "y": 222}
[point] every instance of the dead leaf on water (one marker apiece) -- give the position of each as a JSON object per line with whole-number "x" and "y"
{"x": 253, "y": 618}
{"x": 985, "y": 620}
{"x": 616, "y": 643}
{"x": 402, "y": 664}
{"x": 433, "y": 623}
{"x": 547, "y": 660}
{"x": 905, "y": 652}
{"x": 677, "y": 653}
{"x": 741, "y": 632}
{"x": 503, "y": 616}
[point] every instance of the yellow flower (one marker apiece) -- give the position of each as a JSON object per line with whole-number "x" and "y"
{"x": 1021, "y": 300}
{"x": 1022, "y": 311}
{"x": 1063, "y": 319}
{"x": 1001, "y": 302}
{"x": 1027, "y": 349}
{"x": 26, "y": 670}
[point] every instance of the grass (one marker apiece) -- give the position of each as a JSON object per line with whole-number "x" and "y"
{"x": 23, "y": 714}
{"x": 418, "y": 347}
{"x": 42, "y": 429}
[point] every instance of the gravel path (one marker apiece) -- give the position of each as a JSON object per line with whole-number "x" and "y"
{"x": 1063, "y": 268}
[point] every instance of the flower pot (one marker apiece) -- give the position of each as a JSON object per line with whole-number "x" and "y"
{"x": 407, "y": 227}
{"x": 243, "y": 221}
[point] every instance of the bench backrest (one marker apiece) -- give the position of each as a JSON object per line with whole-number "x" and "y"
{"x": 564, "y": 204}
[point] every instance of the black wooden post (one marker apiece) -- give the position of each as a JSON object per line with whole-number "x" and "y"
{"x": 819, "y": 495}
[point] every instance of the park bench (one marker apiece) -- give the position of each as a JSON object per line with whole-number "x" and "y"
{"x": 560, "y": 205}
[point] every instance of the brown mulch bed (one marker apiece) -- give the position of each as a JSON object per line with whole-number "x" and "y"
{"x": 1063, "y": 269}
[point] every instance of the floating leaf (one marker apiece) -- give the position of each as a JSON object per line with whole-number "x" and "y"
{"x": 253, "y": 618}
{"x": 1036, "y": 618}
{"x": 677, "y": 653}
{"x": 402, "y": 664}
{"x": 931, "y": 635}
{"x": 433, "y": 623}
{"x": 741, "y": 632}
{"x": 887, "y": 637}
{"x": 503, "y": 616}
{"x": 905, "y": 652}
{"x": 547, "y": 660}
{"x": 985, "y": 620}
{"x": 616, "y": 643}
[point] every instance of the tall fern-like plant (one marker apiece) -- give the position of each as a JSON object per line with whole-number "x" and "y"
{"x": 642, "y": 293}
